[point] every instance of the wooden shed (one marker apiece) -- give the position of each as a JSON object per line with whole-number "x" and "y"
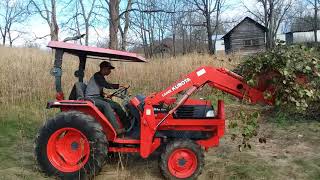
{"x": 247, "y": 37}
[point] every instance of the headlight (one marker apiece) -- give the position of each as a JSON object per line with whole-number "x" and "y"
{"x": 210, "y": 113}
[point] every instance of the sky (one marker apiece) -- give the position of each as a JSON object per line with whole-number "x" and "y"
{"x": 36, "y": 26}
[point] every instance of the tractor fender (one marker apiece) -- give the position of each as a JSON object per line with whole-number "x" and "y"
{"x": 88, "y": 108}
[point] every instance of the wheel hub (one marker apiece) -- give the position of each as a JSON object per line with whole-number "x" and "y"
{"x": 68, "y": 149}
{"x": 74, "y": 146}
{"x": 182, "y": 163}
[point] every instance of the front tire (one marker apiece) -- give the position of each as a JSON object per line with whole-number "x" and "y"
{"x": 71, "y": 145}
{"x": 182, "y": 159}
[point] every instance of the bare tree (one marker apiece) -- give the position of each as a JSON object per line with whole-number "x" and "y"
{"x": 125, "y": 29}
{"x": 218, "y": 12}
{"x": 143, "y": 22}
{"x": 83, "y": 17}
{"x": 160, "y": 24}
{"x": 119, "y": 20}
{"x": 207, "y": 9}
{"x": 176, "y": 20}
{"x": 114, "y": 23}
{"x": 174, "y": 27}
{"x": 271, "y": 13}
{"x": 49, "y": 14}
{"x": 315, "y": 5}
{"x": 12, "y": 13}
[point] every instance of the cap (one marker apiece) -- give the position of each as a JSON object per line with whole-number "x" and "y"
{"x": 106, "y": 64}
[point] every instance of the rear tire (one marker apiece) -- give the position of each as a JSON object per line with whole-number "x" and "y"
{"x": 72, "y": 145}
{"x": 181, "y": 159}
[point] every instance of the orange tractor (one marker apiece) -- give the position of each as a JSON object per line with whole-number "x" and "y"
{"x": 76, "y": 142}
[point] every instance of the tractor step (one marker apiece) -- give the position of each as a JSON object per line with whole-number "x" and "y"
{"x": 124, "y": 149}
{"x": 126, "y": 141}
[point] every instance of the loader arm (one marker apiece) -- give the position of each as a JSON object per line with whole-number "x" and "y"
{"x": 219, "y": 78}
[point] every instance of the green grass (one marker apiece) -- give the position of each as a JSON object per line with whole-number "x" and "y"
{"x": 311, "y": 167}
{"x": 284, "y": 118}
{"x": 250, "y": 167}
{"x": 239, "y": 165}
{"x": 16, "y": 138}
{"x": 218, "y": 95}
{"x": 18, "y": 127}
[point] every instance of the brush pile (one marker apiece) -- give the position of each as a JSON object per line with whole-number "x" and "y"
{"x": 289, "y": 74}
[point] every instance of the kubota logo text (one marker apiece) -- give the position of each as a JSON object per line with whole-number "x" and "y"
{"x": 177, "y": 86}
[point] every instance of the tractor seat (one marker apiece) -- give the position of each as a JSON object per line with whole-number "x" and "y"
{"x": 78, "y": 91}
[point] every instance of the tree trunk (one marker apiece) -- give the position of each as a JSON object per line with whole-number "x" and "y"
{"x": 209, "y": 32}
{"x": 216, "y": 26}
{"x": 190, "y": 39}
{"x": 150, "y": 35}
{"x": 183, "y": 42}
{"x": 271, "y": 25}
{"x": 174, "y": 44}
{"x": 145, "y": 44}
{"x": 190, "y": 33}
{"x": 4, "y": 35}
{"x": 78, "y": 24}
{"x": 10, "y": 39}
{"x": 126, "y": 26}
{"x": 86, "y": 18}
{"x": 54, "y": 25}
{"x": 315, "y": 29}
{"x": 124, "y": 42}
{"x": 3, "y": 40}
{"x": 113, "y": 24}
{"x": 87, "y": 34}
{"x": 162, "y": 44}
{"x": 214, "y": 44}
{"x": 266, "y": 23}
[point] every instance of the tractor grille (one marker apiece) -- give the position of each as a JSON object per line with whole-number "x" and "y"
{"x": 185, "y": 134}
{"x": 191, "y": 111}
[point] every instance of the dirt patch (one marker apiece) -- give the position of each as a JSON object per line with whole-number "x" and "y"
{"x": 290, "y": 153}
{"x": 279, "y": 158}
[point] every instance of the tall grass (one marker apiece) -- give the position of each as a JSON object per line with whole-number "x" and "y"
{"x": 25, "y": 79}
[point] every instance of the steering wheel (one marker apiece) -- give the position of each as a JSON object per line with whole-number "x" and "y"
{"x": 122, "y": 93}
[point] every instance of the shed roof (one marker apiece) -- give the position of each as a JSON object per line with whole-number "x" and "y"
{"x": 250, "y": 20}
{"x": 218, "y": 37}
{"x": 299, "y": 31}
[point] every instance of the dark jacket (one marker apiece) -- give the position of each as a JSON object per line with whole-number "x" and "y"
{"x": 96, "y": 85}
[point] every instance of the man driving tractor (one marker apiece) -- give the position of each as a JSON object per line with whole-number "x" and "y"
{"x": 106, "y": 105}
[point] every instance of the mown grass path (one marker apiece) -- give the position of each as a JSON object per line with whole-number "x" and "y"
{"x": 291, "y": 152}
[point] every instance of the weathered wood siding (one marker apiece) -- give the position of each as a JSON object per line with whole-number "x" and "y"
{"x": 247, "y": 30}
{"x": 227, "y": 44}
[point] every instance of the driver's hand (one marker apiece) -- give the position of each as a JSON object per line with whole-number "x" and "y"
{"x": 108, "y": 96}
{"x": 125, "y": 86}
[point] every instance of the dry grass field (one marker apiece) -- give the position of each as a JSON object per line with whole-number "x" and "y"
{"x": 291, "y": 152}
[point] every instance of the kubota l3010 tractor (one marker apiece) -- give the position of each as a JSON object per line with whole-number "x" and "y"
{"x": 76, "y": 142}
